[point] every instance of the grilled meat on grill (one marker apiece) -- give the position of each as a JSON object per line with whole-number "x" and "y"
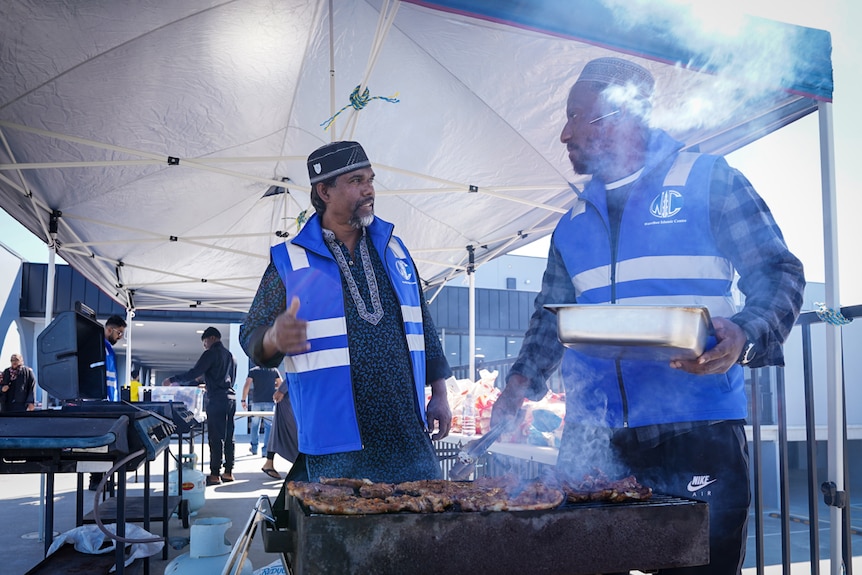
{"x": 599, "y": 487}
{"x": 344, "y": 496}
{"x": 432, "y": 496}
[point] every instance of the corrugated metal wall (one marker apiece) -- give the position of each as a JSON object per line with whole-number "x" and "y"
{"x": 498, "y": 312}
{"x": 70, "y": 286}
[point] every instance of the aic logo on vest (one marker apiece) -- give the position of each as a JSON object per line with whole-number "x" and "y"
{"x": 666, "y": 205}
{"x": 403, "y": 269}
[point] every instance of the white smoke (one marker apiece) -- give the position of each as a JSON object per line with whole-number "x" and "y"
{"x": 747, "y": 59}
{"x": 627, "y": 96}
{"x": 586, "y": 442}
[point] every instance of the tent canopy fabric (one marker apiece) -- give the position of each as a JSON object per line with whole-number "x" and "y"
{"x": 165, "y": 145}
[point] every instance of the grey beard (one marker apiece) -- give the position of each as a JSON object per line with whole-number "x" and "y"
{"x": 359, "y": 222}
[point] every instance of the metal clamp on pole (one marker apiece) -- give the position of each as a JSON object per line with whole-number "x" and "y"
{"x": 832, "y": 497}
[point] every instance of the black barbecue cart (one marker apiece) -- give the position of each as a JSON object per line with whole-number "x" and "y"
{"x": 86, "y": 434}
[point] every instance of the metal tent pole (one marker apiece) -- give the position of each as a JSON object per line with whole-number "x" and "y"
{"x": 130, "y": 315}
{"x": 49, "y": 312}
{"x": 834, "y": 375}
{"x": 471, "y": 312}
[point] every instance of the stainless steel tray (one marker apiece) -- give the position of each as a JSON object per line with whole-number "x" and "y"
{"x": 644, "y": 332}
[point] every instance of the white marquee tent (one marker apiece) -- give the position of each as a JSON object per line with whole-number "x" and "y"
{"x": 160, "y": 146}
{"x": 154, "y": 130}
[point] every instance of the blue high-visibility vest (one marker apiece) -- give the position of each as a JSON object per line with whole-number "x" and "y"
{"x": 665, "y": 255}
{"x": 319, "y": 380}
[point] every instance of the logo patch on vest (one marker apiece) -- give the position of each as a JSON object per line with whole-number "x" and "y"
{"x": 403, "y": 269}
{"x": 666, "y": 205}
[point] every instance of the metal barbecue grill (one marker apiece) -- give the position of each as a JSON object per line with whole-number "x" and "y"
{"x": 62, "y": 441}
{"x": 174, "y": 411}
{"x": 581, "y": 538}
{"x": 63, "y": 438}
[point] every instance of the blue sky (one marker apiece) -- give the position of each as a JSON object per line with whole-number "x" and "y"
{"x": 21, "y": 241}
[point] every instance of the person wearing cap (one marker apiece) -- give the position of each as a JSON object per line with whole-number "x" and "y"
{"x": 217, "y": 367}
{"x": 656, "y": 224}
{"x": 341, "y": 304}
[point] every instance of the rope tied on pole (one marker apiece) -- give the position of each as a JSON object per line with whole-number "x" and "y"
{"x": 358, "y": 102}
{"x": 830, "y": 315}
{"x": 301, "y": 219}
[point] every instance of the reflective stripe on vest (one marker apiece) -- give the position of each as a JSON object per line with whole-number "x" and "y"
{"x": 659, "y": 259}
{"x": 666, "y": 255}
{"x": 321, "y": 390}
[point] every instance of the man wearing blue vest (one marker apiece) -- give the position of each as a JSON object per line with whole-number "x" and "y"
{"x": 658, "y": 225}
{"x": 115, "y": 330}
{"x": 341, "y": 303}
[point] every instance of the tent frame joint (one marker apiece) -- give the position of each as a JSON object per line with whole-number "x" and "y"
{"x": 832, "y": 497}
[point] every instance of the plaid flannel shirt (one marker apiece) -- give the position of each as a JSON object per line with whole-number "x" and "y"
{"x": 771, "y": 278}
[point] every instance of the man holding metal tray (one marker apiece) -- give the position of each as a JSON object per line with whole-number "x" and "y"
{"x": 657, "y": 226}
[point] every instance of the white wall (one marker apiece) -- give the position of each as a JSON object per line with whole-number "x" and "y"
{"x": 526, "y": 270}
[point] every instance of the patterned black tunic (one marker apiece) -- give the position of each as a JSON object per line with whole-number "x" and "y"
{"x": 395, "y": 445}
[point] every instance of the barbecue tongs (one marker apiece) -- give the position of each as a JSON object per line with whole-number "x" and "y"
{"x": 475, "y": 449}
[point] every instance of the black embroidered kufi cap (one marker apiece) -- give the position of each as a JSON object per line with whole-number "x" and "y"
{"x": 334, "y": 159}
{"x": 619, "y": 72}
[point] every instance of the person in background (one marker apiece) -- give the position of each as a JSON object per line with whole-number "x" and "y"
{"x": 218, "y": 368}
{"x": 262, "y": 382}
{"x": 17, "y": 387}
{"x": 342, "y": 304}
{"x": 659, "y": 225}
{"x": 282, "y": 441}
{"x": 135, "y": 385}
{"x": 115, "y": 330}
